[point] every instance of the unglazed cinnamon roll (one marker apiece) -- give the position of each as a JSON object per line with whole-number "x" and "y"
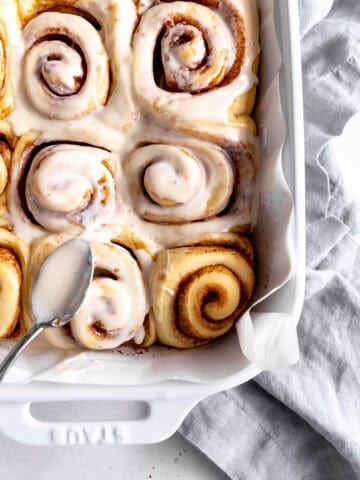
{"x": 195, "y": 62}
{"x": 13, "y": 258}
{"x": 6, "y": 94}
{"x": 65, "y": 67}
{"x": 115, "y": 308}
{"x": 200, "y": 290}
{"x": 60, "y": 186}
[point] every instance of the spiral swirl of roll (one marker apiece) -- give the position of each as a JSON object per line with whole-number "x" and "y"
{"x": 196, "y": 47}
{"x": 65, "y": 68}
{"x": 13, "y": 255}
{"x": 199, "y": 291}
{"x": 70, "y": 185}
{"x": 189, "y": 55}
{"x": 115, "y": 309}
{"x": 179, "y": 184}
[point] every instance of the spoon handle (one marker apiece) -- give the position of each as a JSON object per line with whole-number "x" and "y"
{"x": 19, "y": 347}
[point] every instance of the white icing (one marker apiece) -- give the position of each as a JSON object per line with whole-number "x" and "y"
{"x": 209, "y": 110}
{"x": 182, "y": 62}
{"x": 176, "y": 184}
{"x": 47, "y": 62}
{"x": 67, "y": 265}
{"x": 140, "y": 336}
{"x": 117, "y": 305}
{"x": 68, "y": 185}
{"x": 170, "y": 291}
{"x": 106, "y": 123}
{"x": 188, "y": 55}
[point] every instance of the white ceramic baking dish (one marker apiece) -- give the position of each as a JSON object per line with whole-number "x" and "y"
{"x": 170, "y": 401}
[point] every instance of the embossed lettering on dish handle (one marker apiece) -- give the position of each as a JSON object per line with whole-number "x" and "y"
{"x": 87, "y": 435}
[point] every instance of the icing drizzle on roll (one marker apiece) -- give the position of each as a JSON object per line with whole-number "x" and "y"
{"x": 65, "y": 68}
{"x": 193, "y": 60}
{"x": 69, "y": 185}
{"x": 189, "y": 55}
{"x": 61, "y": 187}
{"x": 177, "y": 184}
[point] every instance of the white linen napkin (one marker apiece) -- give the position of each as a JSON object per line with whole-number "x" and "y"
{"x": 303, "y": 422}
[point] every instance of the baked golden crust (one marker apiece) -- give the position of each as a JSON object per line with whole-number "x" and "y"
{"x": 199, "y": 290}
{"x": 6, "y": 92}
{"x": 13, "y": 261}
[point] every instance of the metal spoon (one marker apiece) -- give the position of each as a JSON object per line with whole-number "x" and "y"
{"x": 56, "y": 298}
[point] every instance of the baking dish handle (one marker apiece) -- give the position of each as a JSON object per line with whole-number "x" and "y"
{"x": 164, "y": 418}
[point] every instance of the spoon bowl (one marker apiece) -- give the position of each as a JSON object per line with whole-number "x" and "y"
{"x": 58, "y": 292}
{"x": 61, "y": 285}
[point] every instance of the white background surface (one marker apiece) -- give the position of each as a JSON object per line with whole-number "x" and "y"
{"x": 174, "y": 459}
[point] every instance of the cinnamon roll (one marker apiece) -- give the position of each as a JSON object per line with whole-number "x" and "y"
{"x": 115, "y": 308}
{"x": 61, "y": 186}
{"x": 7, "y": 140}
{"x": 6, "y": 97}
{"x": 13, "y": 257}
{"x": 180, "y": 187}
{"x": 200, "y": 290}
{"x": 65, "y": 67}
{"x": 192, "y": 55}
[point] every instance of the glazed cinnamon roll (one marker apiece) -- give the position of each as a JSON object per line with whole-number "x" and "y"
{"x": 61, "y": 186}
{"x": 13, "y": 257}
{"x": 192, "y": 55}
{"x": 115, "y": 308}
{"x": 180, "y": 187}
{"x": 65, "y": 67}
{"x": 200, "y": 290}
{"x": 6, "y": 97}
{"x": 176, "y": 184}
